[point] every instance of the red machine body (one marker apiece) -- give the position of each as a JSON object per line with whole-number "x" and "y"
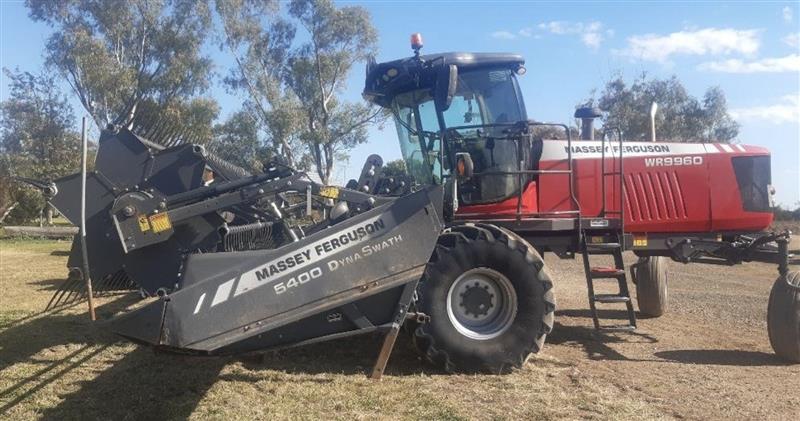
{"x": 669, "y": 187}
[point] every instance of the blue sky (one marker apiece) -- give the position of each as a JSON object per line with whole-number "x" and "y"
{"x": 750, "y": 50}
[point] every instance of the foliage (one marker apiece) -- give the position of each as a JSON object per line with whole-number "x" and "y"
{"x": 786, "y": 214}
{"x": 554, "y": 132}
{"x": 681, "y": 117}
{"x": 117, "y": 54}
{"x": 294, "y": 88}
{"x": 239, "y": 141}
{"x": 395, "y": 168}
{"x": 37, "y": 140}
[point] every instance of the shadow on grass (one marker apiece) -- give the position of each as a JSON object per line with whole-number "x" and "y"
{"x": 596, "y": 344}
{"x": 49, "y": 284}
{"x": 722, "y": 357}
{"x": 352, "y": 356}
{"x": 28, "y": 336}
{"x": 142, "y": 384}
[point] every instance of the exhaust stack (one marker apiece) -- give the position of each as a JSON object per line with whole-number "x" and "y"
{"x": 587, "y": 116}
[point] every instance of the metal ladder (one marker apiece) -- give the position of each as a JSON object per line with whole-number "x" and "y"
{"x": 617, "y": 273}
{"x": 613, "y": 247}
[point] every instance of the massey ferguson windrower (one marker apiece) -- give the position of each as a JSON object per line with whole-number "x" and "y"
{"x": 241, "y": 262}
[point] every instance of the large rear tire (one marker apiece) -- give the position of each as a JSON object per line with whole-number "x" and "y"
{"x": 783, "y": 317}
{"x": 651, "y": 285}
{"x": 489, "y": 298}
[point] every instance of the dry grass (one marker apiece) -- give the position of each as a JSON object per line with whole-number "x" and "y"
{"x": 60, "y": 366}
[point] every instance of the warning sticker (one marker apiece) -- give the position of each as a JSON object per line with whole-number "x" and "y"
{"x": 160, "y": 222}
{"x": 144, "y": 224}
{"x": 330, "y": 192}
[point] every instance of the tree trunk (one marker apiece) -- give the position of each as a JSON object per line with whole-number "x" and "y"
{"x": 48, "y": 213}
{"x": 8, "y": 211}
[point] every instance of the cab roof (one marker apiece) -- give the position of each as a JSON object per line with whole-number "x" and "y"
{"x": 385, "y": 80}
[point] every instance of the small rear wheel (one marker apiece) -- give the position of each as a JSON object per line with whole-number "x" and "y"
{"x": 651, "y": 285}
{"x": 489, "y": 298}
{"x": 783, "y": 317}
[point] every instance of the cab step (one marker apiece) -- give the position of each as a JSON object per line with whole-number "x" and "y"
{"x": 611, "y": 298}
{"x": 602, "y": 248}
{"x": 617, "y": 328}
{"x": 616, "y": 272}
{"x": 603, "y": 272}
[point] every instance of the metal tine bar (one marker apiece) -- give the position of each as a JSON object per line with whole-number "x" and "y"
{"x": 60, "y": 291}
{"x": 112, "y": 283}
{"x": 158, "y": 134}
{"x": 171, "y": 136}
{"x": 77, "y": 286}
{"x": 64, "y": 294}
{"x": 121, "y": 282}
{"x": 105, "y": 284}
{"x": 162, "y": 135}
{"x": 116, "y": 280}
{"x": 69, "y": 289}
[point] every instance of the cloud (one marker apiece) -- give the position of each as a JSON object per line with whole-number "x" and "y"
{"x": 792, "y": 40}
{"x": 787, "y": 14}
{"x": 525, "y": 32}
{"x": 708, "y": 41}
{"x": 591, "y": 33}
{"x": 790, "y": 63}
{"x": 503, "y": 35}
{"x": 786, "y": 111}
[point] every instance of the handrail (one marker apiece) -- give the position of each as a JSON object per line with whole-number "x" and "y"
{"x": 570, "y": 171}
{"x": 621, "y": 173}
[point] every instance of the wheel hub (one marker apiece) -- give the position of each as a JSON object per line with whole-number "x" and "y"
{"x": 477, "y": 300}
{"x": 481, "y": 303}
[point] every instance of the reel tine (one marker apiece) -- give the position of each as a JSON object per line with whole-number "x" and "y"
{"x": 61, "y": 297}
{"x": 71, "y": 296}
{"x": 60, "y": 291}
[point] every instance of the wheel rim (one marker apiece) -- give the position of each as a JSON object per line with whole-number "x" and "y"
{"x": 481, "y": 303}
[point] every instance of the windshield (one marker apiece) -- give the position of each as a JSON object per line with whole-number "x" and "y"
{"x": 483, "y": 97}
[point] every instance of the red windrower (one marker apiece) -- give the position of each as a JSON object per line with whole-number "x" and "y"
{"x": 416, "y": 40}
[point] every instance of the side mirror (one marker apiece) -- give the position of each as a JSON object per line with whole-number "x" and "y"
{"x": 464, "y": 166}
{"x": 446, "y": 83}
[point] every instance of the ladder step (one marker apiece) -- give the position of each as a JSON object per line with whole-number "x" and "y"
{"x": 606, "y": 272}
{"x": 611, "y": 298}
{"x": 598, "y": 248}
{"x": 618, "y": 328}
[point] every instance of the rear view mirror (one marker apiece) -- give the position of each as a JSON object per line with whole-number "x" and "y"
{"x": 446, "y": 83}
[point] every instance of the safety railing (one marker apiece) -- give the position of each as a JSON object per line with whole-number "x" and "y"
{"x": 521, "y": 173}
{"x": 604, "y": 211}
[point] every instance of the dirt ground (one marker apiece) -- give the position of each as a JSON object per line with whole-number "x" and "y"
{"x": 707, "y": 358}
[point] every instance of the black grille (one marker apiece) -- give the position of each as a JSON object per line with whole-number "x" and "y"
{"x": 754, "y": 178}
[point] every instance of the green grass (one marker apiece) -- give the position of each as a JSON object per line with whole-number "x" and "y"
{"x": 62, "y": 366}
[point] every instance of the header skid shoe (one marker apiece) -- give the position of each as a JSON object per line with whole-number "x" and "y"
{"x": 346, "y": 279}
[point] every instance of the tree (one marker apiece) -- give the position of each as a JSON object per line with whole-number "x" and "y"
{"x": 239, "y": 141}
{"x": 117, "y": 54}
{"x": 260, "y": 43}
{"x": 294, "y": 88}
{"x": 681, "y": 117}
{"x": 37, "y": 140}
{"x": 316, "y": 72}
{"x": 394, "y": 168}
